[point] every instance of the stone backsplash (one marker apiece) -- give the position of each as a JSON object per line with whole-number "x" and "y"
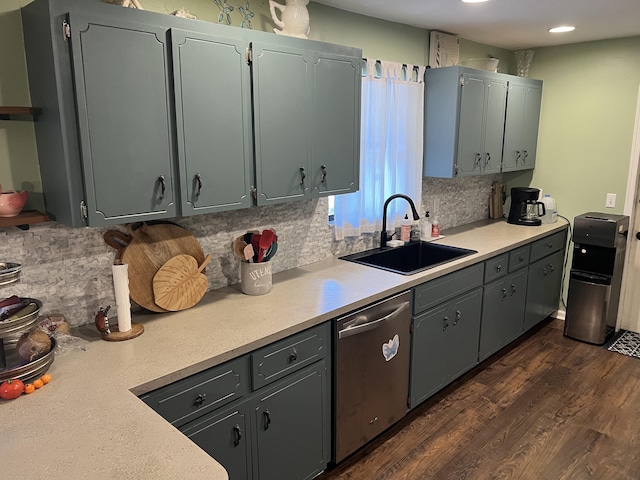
{"x": 69, "y": 269}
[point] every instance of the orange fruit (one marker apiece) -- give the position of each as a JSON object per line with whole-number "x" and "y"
{"x": 29, "y": 388}
{"x": 46, "y": 378}
{"x": 38, "y": 383}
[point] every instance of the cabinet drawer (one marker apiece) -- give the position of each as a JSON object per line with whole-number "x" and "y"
{"x": 201, "y": 393}
{"x": 547, "y": 245}
{"x": 496, "y": 267}
{"x": 442, "y": 289}
{"x": 281, "y": 358}
{"x": 519, "y": 258}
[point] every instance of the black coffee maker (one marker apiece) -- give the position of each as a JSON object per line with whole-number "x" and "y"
{"x": 525, "y": 207}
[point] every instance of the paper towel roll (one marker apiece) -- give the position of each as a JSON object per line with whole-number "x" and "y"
{"x": 121, "y": 286}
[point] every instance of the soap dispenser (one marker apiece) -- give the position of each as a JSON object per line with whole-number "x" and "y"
{"x": 425, "y": 227}
{"x": 405, "y": 229}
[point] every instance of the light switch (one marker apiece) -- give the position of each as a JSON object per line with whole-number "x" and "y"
{"x": 611, "y": 200}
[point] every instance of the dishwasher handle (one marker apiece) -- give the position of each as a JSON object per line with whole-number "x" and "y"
{"x": 355, "y": 329}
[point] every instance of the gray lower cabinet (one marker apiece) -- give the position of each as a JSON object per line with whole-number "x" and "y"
{"x": 250, "y": 438}
{"x": 249, "y": 412}
{"x": 544, "y": 288}
{"x": 291, "y": 432}
{"x": 149, "y": 116}
{"x": 444, "y": 344}
{"x": 226, "y": 437}
{"x": 445, "y": 330}
{"x": 502, "y": 312}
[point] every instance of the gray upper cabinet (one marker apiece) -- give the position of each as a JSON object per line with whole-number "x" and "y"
{"x": 282, "y": 87}
{"x": 479, "y": 122}
{"x": 481, "y": 119}
{"x": 464, "y": 120}
{"x": 521, "y": 124}
{"x": 213, "y": 118}
{"x": 307, "y": 122}
{"x": 149, "y": 116}
{"x": 123, "y": 102}
{"x": 335, "y": 124}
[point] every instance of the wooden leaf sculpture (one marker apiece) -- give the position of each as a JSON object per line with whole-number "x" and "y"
{"x": 180, "y": 284}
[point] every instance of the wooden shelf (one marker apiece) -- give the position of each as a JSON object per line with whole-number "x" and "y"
{"x": 7, "y": 112}
{"x": 24, "y": 219}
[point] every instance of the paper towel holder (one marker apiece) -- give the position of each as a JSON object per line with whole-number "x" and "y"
{"x": 111, "y": 334}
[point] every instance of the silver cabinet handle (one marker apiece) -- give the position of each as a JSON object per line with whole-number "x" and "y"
{"x": 525, "y": 154}
{"x": 302, "y": 176}
{"x": 518, "y": 154}
{"x": 445, "y": 323}
{"x": 504, "y": 293}
{"x": 353, "y": 327}
{"x": 513, "y": 289}
{"x": 487, "y": 159}
{"x": 293, "y": 356}
{"x": 324, "y": 173}
{"x": 458, "y": 317}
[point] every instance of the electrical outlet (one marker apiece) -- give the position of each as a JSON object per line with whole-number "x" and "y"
{"x": 611, "y": 200}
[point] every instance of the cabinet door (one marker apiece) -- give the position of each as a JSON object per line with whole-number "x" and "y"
{"x": 213, "y": 117}
{"x": 494, "y": 125}
{"x": 429, "y": 351}
{"x": 224, "y": 436}
{"x": 336, "y": 125}
{"x": 444, "y": 344}
{"x": 464, "y": 314}
{"x": 521, "y": 124}
{"x": 502, "y": 312}
{"x": 291, "y": 422}
{"x": 282, "y": 123}
{"x": 471, "y": 127}
{"x": 514, "y": 314}
{"x": 122, "y": 86}
{"x": 531, "y": 121}
{"x": 543, "y": 295}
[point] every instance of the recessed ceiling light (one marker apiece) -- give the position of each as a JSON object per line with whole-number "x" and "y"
{"x": 474, "y": 1}
{"x": 562, "y": 29}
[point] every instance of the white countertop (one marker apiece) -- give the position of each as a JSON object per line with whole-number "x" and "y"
{"x": 89, "y": 423}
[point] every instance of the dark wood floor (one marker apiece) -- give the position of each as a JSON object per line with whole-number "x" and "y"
{"x": 547, "y": 408}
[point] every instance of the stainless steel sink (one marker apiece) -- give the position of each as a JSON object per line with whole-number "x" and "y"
{"x": 409, "y": 259}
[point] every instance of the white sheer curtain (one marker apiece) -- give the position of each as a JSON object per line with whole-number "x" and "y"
{"x": 390, "y": 150}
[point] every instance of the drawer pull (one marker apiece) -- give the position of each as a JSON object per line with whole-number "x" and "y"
{"x": 237, "y": 435}
{"x": 445, "y": 323}
{"x": 198, "y": 181}
{"x": 163, "y": 186}
{"x": 521, "y": 258}
{"x": 293, "y": 356}
{"x": 504, "y": 293}
{"x": 513, "y": 289}
{"x": 550, "y": 268}
{"x": 267, "y": 419}
{"x": 324, "y": 173}
{"x": 549, "y": 245}
{"x": 200, "y": 399}
{"x": 458, "y": 317}
{"x": 498, "y": 268}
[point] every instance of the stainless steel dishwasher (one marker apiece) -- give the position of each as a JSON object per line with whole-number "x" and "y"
{"x": 372, "y": 372}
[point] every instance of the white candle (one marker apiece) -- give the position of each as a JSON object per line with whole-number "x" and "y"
{"x": 121, "y": 286}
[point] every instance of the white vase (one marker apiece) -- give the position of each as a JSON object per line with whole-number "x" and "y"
{"x": 294, "y": 18}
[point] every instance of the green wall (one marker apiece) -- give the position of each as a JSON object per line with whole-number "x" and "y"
{"x": 588, "y": 112}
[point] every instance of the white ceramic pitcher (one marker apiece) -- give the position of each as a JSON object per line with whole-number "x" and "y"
{"x": 294, "y": 18}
